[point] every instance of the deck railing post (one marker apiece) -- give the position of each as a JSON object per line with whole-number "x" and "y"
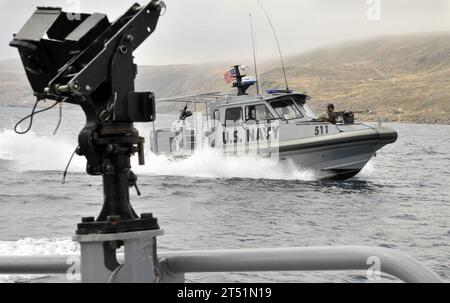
{"x": 100, "y": 264}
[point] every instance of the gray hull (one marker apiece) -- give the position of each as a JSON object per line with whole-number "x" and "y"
{"x": 340, "y": 152}
{"x": 339, "y": 156}
{"x": 280, "y": 126}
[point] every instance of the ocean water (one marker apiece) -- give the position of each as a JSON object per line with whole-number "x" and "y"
{"x": 401, "y": 200}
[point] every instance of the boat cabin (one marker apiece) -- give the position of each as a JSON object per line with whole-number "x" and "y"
{"x": 249, "y": 110}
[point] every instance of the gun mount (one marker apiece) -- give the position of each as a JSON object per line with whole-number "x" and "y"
{"x": 88, "y": 61}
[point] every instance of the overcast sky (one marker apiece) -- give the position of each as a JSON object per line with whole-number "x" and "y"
{"x": 195, "y": 31}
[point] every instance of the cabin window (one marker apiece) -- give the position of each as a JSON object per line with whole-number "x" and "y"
{"x": 286, "y": 109}
{"x": 302, "y": 105}
{"x": 233, "y": 115}
{"x": 258, "y": 113}
{"x": 309, "y": 112}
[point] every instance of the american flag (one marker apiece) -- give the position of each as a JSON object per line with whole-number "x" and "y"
{"x": 230, "y": 76}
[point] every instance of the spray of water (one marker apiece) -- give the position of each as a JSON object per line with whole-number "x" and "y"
{"x": 211, "y": 164}
{"x": 39, "y": 247}
{"x": 31, "y": 152}
{"x": 368, "y": 170}
{"x": 35, "y": 247}
{"x": 40, "y": 153}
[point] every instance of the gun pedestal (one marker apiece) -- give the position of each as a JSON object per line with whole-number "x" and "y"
{"x": 118, "y": 225}
{"x": 88, "y": 61}
{"x": 99, "y": 263}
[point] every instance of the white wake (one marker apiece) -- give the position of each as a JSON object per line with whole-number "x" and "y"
{"x": 31, "y": 152}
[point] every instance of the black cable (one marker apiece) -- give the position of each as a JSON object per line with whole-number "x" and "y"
{"x": 59, "y": 121}
{"x": 27, "y": 117}
{"x": 68, "y": 164}
{"x": 31, "y": 116}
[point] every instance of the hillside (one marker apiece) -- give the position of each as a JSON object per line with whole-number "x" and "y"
{"x": 401, "y": 78}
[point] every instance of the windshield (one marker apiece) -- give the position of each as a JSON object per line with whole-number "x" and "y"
{"x": 286, "y": 109}
{"x": 308, "y": 111}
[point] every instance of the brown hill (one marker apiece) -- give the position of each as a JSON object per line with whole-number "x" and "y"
{"x": 403, "y": 78}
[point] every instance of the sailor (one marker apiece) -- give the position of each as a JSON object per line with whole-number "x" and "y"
{"x": 328, "y": 116}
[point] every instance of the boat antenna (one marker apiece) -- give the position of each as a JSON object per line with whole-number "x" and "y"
{"x": 278, "y": 44}
{"x": 254, "y": 54}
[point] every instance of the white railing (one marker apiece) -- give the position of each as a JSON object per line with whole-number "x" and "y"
{"x": 173, "y": 265}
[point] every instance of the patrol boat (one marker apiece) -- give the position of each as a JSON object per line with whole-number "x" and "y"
{"x": 279, "y": 125}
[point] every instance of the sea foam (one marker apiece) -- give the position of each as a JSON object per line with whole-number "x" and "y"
{"x": 32, "y": 152}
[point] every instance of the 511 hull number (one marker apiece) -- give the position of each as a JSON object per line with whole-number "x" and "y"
{"x": 321, "y": 130}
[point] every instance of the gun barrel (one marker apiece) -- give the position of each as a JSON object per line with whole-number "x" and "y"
{"x": 368, "y": 111}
